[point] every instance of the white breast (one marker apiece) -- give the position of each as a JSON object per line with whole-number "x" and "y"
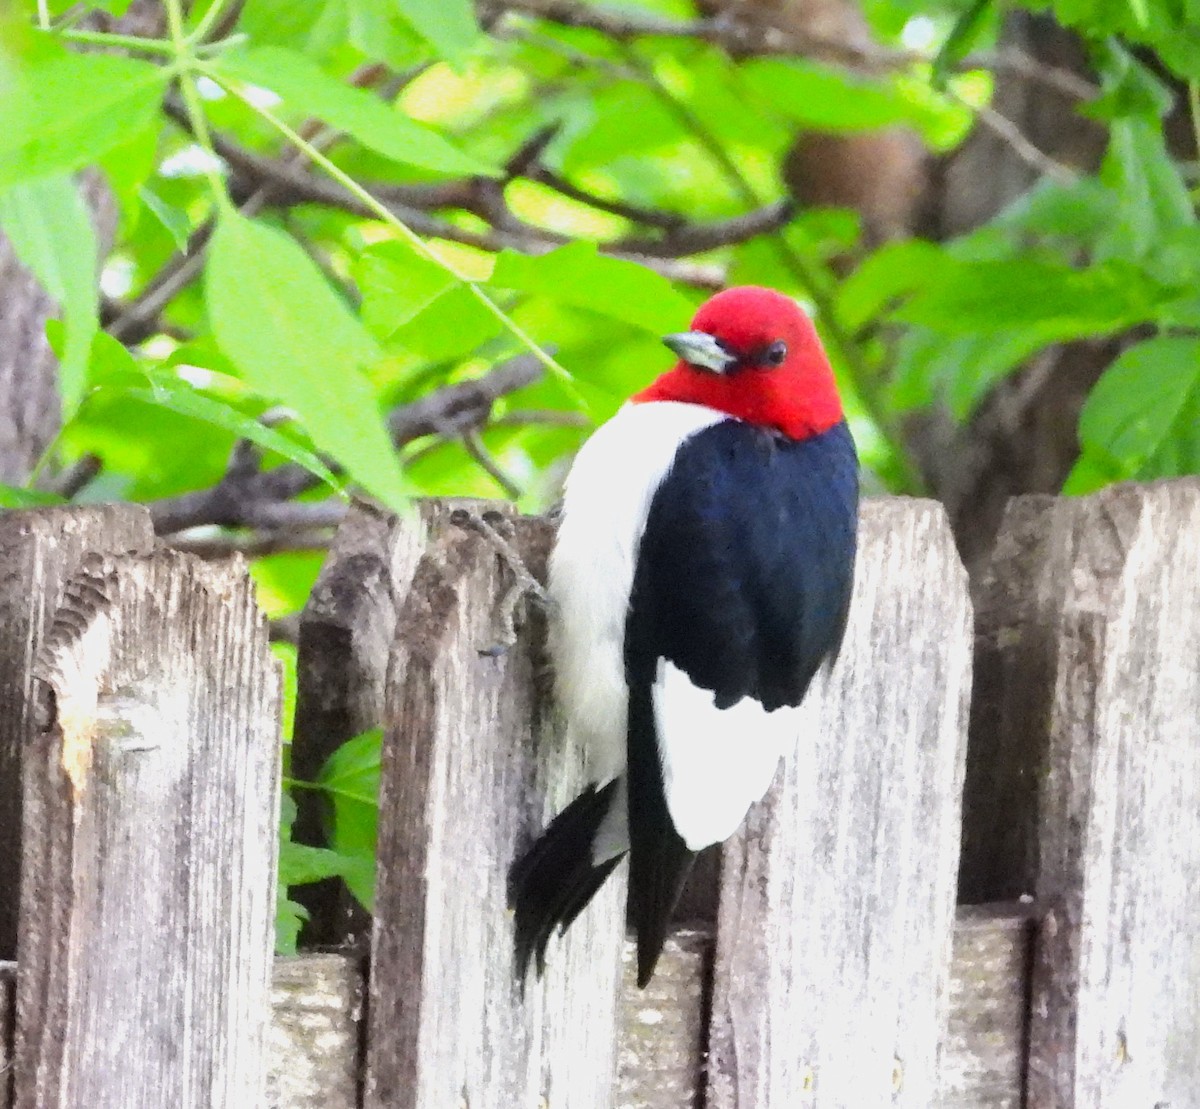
{"x": 606, "y": 499}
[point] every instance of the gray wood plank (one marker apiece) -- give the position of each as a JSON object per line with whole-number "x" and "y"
{"x": 315, "y": 1032}
{"x": 346, "y": 633}
{"x": 466, "y": 785}
{"x": 837, "y": 903}
{"x": 8, "y": 990}
{"x": 1116, "y": 976}
{"x": 148, "y": 872}
{"x": 39, "y": 550}
{"x": 984, "y": 1044}
{"x": 664, "y": 1026}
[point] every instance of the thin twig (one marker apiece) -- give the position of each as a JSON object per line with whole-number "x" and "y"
{"x": 474, "y": 446}
{"x": 77, "y": 476}
{"x": 1006, "y": 129}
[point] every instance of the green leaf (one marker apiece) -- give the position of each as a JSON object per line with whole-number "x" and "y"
{"x": 117, "y": 372}
{"x": 828, "y": 98}
{"x": 396, "y": 284}
{"x": 449, "y": 26}
{"x": 51, "y": 232}
{"x": 61, "y": 111}
{"x": 1154, "y": 198}
{"x": 577, "y": 274}
{"x": 305, "y": 87}
{"x": 350, "y": 779}
{"x": 893, "y": 270}
{"x": 1053, "y": 300}
{"x": 961, "y": 40}
{"x": 13, "y": 497}
{"x": 1144, "y": 412}
{"x": 1131, "y": 88}
{"x": 281, "y": 324}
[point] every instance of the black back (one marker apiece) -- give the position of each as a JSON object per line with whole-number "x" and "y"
{"x": 743, "y": 582}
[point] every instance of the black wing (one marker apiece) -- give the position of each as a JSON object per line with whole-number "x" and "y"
{"x": 743, "y": 582}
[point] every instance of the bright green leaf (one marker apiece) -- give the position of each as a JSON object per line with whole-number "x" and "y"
{"x": 449, "y": 26}
{"x": 1154, "y": 197}
{"x": 828, "y": 98}
{"x": 350, "y": 779}
{"x": 13, "y": 497}
{"x": 295, "y": 340}
{"x": 305, "y": 87}
{"x": 1053, "y": 300}
{"x": 577, "y": 274}
{"x": 1144, "y": 412}
{"x": 61, "y": 111}
{"x": 51, "y": 232}
{"x": 396, "y": 284}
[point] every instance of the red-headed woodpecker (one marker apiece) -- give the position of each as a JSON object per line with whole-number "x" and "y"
{"x": 700, "y": 578}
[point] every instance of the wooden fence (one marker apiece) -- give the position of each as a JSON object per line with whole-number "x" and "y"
{"x": 900, "y": 923}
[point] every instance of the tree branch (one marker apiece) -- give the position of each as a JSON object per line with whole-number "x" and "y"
{"x": 249, "y": 497}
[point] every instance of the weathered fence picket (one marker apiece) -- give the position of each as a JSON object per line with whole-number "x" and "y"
{"x": 837, "y": 894}
{"x": 462, "y": 785}
{"x": 828, "y": 969}
{"x": 39, "y": 551}
{"x": 1105, "y": 651}
{"x": 151, "y": 773}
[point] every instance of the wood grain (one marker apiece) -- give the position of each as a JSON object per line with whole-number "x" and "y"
{"x": 151, "y": 798}
{"x": 837, "y": 903}
{"x": 315, "y": 1032}
{"x": 1115, "y": 1002}
{"x": 39, "y": 550}
{"x": 984, "y": 1044}
{"x": 346, "y": 633}
{"x": 664, "y": 1027}
{"x": 465, "y": 786}
{"x": 8, "y": 1000}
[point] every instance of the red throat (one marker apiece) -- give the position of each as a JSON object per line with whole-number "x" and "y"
{"x": 798, "y": 397}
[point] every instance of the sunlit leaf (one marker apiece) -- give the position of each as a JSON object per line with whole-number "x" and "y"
{"x": 276, "y": 317}
{"x": 61, "y": 111}
{"x": 304, "y": 86}
{"x": 449, "y": 26}
{"x": 51, "y": 231}
{"x": 577, "y": 274}
{"x": 1144, "y": 412}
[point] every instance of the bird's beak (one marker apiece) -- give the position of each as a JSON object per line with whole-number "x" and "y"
{"x": 704, "y": 351}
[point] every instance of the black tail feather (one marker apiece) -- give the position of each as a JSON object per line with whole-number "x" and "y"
{"x": 659, "y": 859}
{"x": 549, "y": 886}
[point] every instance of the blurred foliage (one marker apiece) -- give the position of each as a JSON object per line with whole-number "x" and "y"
{"x": 336, "y": 309}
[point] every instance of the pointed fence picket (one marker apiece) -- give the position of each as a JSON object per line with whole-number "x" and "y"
{"x": 821, "y": 961}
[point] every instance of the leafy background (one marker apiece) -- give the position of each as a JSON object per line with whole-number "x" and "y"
{"x": 328, "y": 213}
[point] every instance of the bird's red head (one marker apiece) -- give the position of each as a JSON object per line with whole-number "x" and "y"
{"x": 753, "y": 353}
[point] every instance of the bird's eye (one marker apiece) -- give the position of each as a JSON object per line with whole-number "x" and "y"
{"x": 775, "y": 353}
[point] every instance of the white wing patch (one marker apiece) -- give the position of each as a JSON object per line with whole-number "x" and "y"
{"x": 716, "y": 762}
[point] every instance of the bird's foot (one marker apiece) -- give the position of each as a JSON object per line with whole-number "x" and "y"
{"x": 498, "y": 531}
